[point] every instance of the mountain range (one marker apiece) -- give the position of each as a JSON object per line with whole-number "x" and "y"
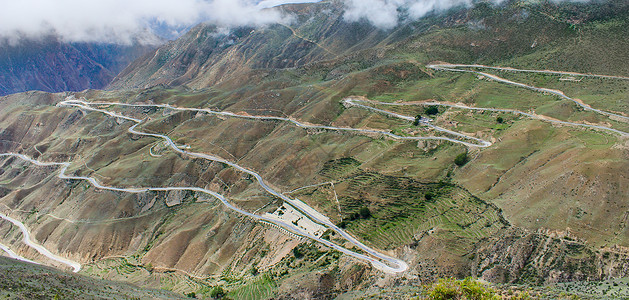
{"x": 326, "y": 158}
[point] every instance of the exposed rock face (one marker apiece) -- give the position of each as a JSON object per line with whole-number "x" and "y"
{"x": 520, "y": 256}
{"x": 204, "y": 57}
{"x": 53, "y": 66}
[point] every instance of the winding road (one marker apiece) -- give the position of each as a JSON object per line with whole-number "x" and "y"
{"x": 460, "y": 68}
{"x": 459, "y": 106}
{"x": 378, "y": 260}
{"x": 14, "y": 255}
{"x": 480, "y": 143}
{"x": 33, "y": 244}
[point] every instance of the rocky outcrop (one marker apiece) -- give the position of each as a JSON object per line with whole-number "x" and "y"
{"x": 520, "y": 256}
{"x": 54, "y": 66}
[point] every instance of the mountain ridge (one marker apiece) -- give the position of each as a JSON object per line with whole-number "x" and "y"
{"x": 51, "y": 65}
{"x": 539, "y": 203}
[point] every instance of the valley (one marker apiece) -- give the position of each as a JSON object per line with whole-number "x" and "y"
{"x": 298, "y": 160}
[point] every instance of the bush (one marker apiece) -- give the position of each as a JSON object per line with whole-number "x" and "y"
{"x": 500, "y": 120}
{"x": 432, "y": 110}
{"x": 461, "y": 159}
{"x": 417, "y": 119}
{"x": 459, "y": 289}
{"x": 364, "y": 212}
{"x": 297, "y": 253}
{"x": 429, "y": 196}
{"x": 217, "y": 292}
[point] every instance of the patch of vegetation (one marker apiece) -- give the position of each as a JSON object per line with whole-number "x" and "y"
{"x": 417, "y": 120}
{"x": 339, "y": 167}
{"x": 431, "y": 110}
{"x": 461, "y": 159}
{"x": 217, "y": 292}
{"x": 20, "y": 280}
{"x": 297, "y": 253}
{"x": 364, "y": 212}
{"x": 400, "y": 210}
{"x": 261, "y": 287}
{"x": 468, "y": 288}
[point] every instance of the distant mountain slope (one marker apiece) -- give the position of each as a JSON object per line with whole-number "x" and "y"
{"x": 530, "y": 30}
{"x": 545, "y": 203}
{"x": 55, "y": 66}
{"x": 19, "y": 280}
{"x": 203, "y": 57}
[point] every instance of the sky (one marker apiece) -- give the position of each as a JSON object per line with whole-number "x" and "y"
{"x": 124, "y": 21}
{"x": 120, "y": 21}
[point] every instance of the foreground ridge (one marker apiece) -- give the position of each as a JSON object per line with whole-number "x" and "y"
{"x": 27, "y": 239}
{"x": 380, "y": 261}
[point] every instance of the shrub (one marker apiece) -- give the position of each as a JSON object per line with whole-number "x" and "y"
{"x": 217, "y": 292}
{"x": 432, "y": 110}
{"x": 429, "y": 196}
{"x": 417, "y": 119}
{"x": 364, "y": 212}
{"x": 461, "y": 159}
{"x": 460, "y": 289}
{"x": 500, "y": 120}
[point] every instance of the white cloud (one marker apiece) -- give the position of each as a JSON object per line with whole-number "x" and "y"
{"x": 121, "y": 20}
{"x": 381, "y": 13}
{"x": 385, "y": 13}
{"x": 273, "y": 3}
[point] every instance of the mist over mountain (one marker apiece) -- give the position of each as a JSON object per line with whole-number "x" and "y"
{"x": 384, "y": 149}
{"x": 123, "y": 22}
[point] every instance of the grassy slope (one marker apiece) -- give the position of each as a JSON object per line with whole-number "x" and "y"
{"x": 20, "y": 280}
{"x": 507, "y": 174}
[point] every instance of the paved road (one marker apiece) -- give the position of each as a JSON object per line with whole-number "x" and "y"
{"x": 27, "y": 236}
{"x": 458, "y": 68}
{"x": 512, "y": 111}
{"x": 15, "y": 255}
{"x": 480, "y": 143}
{"x": 378, "y": 260}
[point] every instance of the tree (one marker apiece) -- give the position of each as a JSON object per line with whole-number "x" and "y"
{"x": 429, "y": 196}
{"x": 364, "y": 212}
{"x": 461, "y": 159}
{"x": 417, "y": 120}
{"x": 432, "y": 110}
{"x": 217, "y": 292}
{"x": 500, "y": 120}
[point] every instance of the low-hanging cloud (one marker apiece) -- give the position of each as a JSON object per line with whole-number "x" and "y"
{"x": 125, "y": 21}
{"x": 386, "y": 13}
{"x": 122, "y": 21}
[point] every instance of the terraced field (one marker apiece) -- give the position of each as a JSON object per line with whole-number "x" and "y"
{"x": 260, "y": 288}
